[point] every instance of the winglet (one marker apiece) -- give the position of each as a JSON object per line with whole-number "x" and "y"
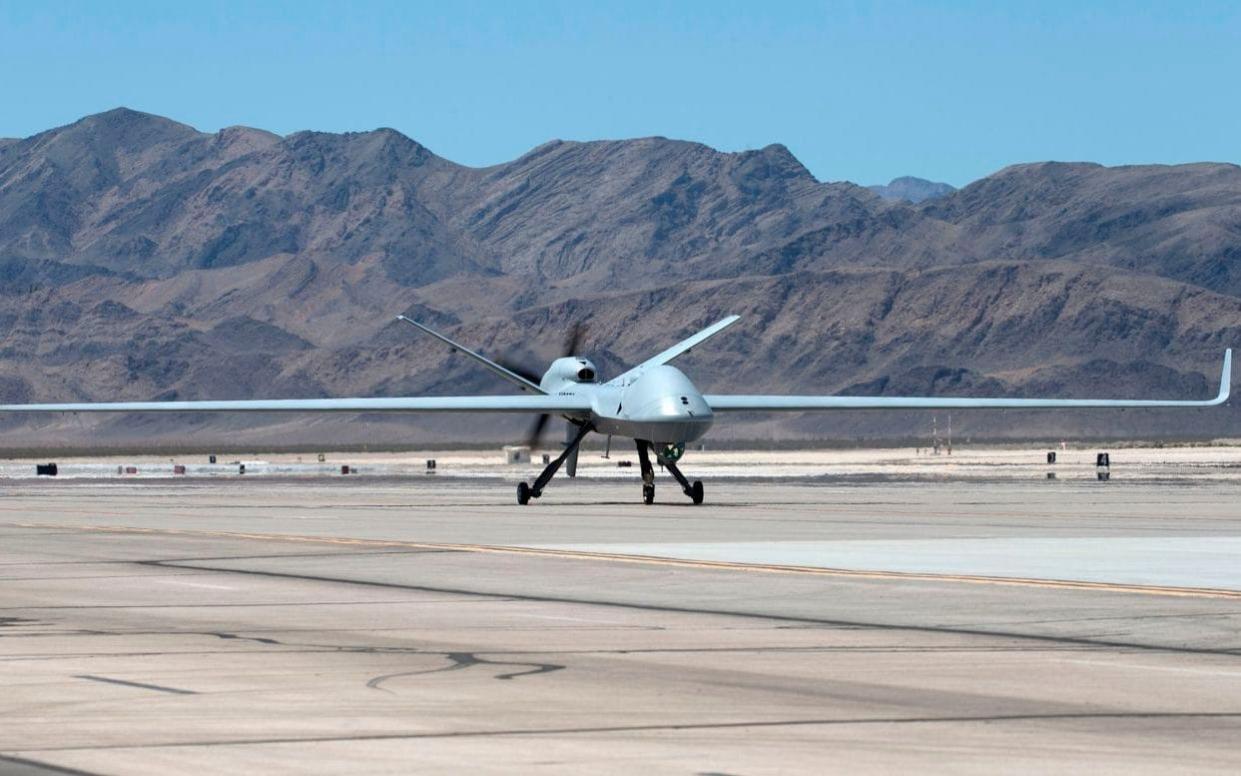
{"x": 1225, "y": 378}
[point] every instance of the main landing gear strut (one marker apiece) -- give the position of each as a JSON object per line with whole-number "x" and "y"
{"x": 694, "y": 490}
{"x": 526, "y": 492}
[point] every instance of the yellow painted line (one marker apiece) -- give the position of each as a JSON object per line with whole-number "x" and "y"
{"x": 656, "y": 560}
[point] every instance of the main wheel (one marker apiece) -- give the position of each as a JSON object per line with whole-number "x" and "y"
{"x": 523, "y": 493}
{"x": 695, "y": 491}
{"x": 648, "y": 494}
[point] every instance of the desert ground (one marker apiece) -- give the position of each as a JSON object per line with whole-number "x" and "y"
{"x": 823, "y": 611}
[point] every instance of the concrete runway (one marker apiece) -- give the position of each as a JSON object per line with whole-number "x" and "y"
{"x": 397, "y": 626}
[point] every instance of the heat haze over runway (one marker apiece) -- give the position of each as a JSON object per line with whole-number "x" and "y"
{"x": 404, "y": 625}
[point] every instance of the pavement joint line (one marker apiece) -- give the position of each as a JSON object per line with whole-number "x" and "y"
{"x": 656, "y": 560}
{"x": 671, "y": 727}
{"x": 139, "y": 685}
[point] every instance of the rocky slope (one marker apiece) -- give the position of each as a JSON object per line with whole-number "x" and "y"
{"x": 141, "y": 258}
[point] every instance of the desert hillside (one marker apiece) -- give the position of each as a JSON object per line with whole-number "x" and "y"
{"x": 141, "y": 258}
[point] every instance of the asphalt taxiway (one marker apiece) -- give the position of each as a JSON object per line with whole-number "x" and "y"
{"x": 416, "y": 625}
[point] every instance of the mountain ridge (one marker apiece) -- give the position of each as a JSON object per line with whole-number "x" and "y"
{"x": 142, "y": 258}
{"x": 913, "y": 190}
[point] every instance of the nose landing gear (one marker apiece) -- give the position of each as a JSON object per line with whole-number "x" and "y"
{"x": 693, "y": 490}
{"x": 648, "y": 473}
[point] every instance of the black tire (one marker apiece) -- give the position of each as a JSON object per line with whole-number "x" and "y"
{"x": 695, "y": 491}
{"x": 648, "y": 494}
{"x": 523, "y": 493}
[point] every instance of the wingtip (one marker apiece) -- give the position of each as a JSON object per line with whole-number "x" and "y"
{"x": 1225, "y": 378}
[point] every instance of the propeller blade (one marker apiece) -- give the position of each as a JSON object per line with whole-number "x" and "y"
{"x": 534, "y": 438}
{"x": 574, "y": 340}
{"x": 520, "y": 371}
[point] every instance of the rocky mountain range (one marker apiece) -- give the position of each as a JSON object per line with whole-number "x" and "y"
{"x": 141, "y": 258}
{"x": 913, "y": 190}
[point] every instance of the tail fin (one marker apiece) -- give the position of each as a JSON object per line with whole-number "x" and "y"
{"x": 681, "y": 347}
{"x": 507, "y": 374}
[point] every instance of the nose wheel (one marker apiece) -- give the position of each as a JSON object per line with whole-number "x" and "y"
{"x": 693, "y": 490}
{"x": 648, "y": 473}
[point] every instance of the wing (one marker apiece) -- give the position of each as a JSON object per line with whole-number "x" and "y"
{"x": 758, "y": 403}
{"x": 532, "y": 404}
{"x": 681, "y": 347}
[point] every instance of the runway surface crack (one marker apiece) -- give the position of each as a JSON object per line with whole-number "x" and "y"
{"x": 460, "y": 660}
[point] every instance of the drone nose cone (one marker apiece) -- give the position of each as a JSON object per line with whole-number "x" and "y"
{"x": 687, "y": 405}
{"x": 667, "y": 406}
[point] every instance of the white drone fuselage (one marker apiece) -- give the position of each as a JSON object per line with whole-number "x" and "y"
{"x": 658, "y": 404}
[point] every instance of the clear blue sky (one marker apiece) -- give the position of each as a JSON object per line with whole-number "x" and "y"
{"x": 858, "y": 91}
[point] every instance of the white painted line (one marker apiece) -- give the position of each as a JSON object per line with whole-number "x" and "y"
{"x": 195, "y": 584}
{"x": 588, "y": 620}
{"x": 1148, "y": 667}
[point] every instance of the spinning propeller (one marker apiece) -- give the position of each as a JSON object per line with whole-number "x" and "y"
{"x": 534, "y": 437}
